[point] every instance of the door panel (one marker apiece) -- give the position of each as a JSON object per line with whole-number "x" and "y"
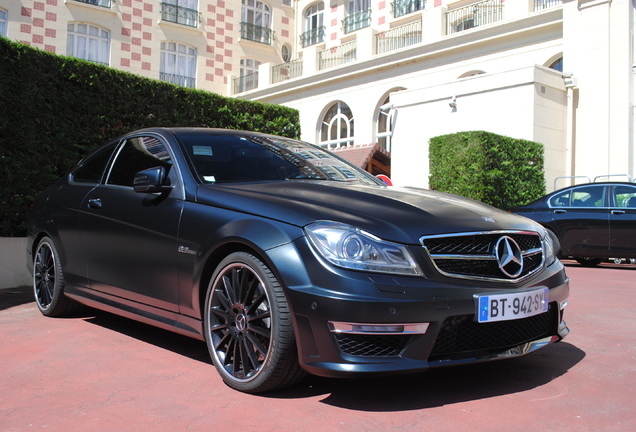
{"x": 129, "y": 238}
{"x": 623, "y": 222}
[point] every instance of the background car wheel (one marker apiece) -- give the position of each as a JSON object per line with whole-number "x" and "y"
{"x": 48, "y": 281}
{"x": 588, "y": 262}
{"x": 248, "y": 326}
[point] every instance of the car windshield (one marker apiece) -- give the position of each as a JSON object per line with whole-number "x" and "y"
{"x": 220, "y": 158}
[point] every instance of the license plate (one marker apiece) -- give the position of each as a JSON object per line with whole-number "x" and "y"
{"x": 510, "y": 306}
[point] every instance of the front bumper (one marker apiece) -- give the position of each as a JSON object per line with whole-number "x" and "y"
{"x": 350, "y": 323}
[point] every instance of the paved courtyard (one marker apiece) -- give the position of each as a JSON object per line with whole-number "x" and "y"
{"x": 101, "y": 372}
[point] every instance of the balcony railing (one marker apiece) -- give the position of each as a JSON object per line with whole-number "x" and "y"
{"x": 546, "y": 4}
{"x": 256, "y": 33}
{"x": 312, "y": 37}
{"x": 337, "y": 56}
{"x": 102, "y": 3}
{"x": 179, "y": 14}
{"x": 357, "y": 21}
{"x": 287, "y": 71}
{"x": 399, "y": 37}
{"x": 404, "y": 7}
{"x": 475, "y": 15}
{"x": 181, "y": 80}
{"x": 246, "y": 82}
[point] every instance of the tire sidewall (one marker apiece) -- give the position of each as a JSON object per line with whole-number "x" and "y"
{"x": 270, "y": 284}
{"x": 58, "y": 286}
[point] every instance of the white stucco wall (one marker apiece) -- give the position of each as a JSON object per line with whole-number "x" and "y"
{"x": 527, "y": 103}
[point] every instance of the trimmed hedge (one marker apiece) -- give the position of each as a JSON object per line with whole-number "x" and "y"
{"x": 54, "y": 109}
{"x": 498, "y": 170}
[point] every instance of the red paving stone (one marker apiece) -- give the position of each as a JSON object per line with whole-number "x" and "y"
{"x": 101, "y": 372}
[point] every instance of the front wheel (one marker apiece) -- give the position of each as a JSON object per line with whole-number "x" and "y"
{"x": 48, "y": 281}
{"x": 248, "y": 326}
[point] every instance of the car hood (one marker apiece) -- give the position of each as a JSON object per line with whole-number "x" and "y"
{"x": 397, "y": 214}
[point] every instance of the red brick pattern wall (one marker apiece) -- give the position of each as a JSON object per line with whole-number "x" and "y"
{"x": 36, "y": 30}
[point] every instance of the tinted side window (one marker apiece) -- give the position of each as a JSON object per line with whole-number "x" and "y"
{"x": 561, "y": 200}
{"x": 625, "y": 196}
{"x": 589, "y": 196}
{"x": 92, "y": 168}
{"x": 138, "y": 154}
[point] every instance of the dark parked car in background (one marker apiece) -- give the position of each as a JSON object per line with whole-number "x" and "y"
{"x": 286, "y": 259}
{"x": 593, "y": 221}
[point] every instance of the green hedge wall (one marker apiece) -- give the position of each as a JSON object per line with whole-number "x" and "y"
{"x": 54, "y": 109}
{"x": 498, "y": 170}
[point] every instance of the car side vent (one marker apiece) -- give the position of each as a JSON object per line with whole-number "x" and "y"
{"x": 497, "y": 255}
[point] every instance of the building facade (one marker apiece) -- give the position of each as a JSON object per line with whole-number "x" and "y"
{"x": 375, "y": 79}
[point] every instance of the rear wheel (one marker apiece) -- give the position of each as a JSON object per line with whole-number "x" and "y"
{"x": 588, "y": 262}
{"x": 48, "y": 281}
{"x": 248, "y": 326}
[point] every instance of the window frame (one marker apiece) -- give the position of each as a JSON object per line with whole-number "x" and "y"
{"x": 74, "y": 36}
{"x": 184, "y": 73}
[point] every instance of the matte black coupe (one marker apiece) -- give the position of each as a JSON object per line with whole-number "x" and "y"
{"x": 286, "y": 259}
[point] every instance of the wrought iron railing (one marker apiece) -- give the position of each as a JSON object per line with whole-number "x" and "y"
{"x": 256, "y": 33}
{"x": 404, "y": 7}
{"x": 102, "y": 3}
{"x": 474, "y": 15}
{"x": 357, "y": 21}
{"x": 179, "y": 14}
{"x": 285, "y": 71}
{"x": 181, "y": 80}
{"x": 312, "y": 37}
{"x": 546, "y": 4}
{"x": 336, "y": 56}
{"x": 246, "y": 82}
{"x": 399, "y": 37}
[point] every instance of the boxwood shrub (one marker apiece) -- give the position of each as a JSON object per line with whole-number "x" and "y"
{"x": 495, "y": 169}
{"x": 55, "y": 109}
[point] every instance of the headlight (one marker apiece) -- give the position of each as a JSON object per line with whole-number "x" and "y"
{"x": 552, "y": 246}
{"x": 349, "y": 247}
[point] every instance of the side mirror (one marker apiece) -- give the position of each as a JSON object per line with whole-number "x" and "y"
{"x": 152, "y": 180}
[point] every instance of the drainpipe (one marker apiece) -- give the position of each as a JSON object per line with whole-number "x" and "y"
{"x": 570, "y": 140}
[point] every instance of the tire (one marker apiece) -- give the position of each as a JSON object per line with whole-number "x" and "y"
{"x": 48, "y": 282}
{"x": 248, "y": 326}
{"x": 588, "y": 262}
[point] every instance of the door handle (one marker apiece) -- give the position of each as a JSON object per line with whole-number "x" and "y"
{"x": 560, "y": 211}
{"x": 618, "y": 212}
{"x": 95, "y": 203}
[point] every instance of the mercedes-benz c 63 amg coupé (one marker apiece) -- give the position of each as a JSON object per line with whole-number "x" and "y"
{"x": 286, "y": 259}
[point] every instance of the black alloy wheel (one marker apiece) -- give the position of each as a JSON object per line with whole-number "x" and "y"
{"x": 246, "y": 316}
{"x": 48, "y": 281}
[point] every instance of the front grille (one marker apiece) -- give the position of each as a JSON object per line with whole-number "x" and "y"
{"x": 371, "y": 346}
{"x": 473, "y": 255}
{"x": 461, "y": 335}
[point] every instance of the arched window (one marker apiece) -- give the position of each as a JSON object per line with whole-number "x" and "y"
{"x": 178, "y": 64}
{"x": 557, "y": 64}
{"x": 385, "y": 121}
{"x": 3, "y": 22}
{"x": 336, "y": 129}
{"x": 471, "y": 73}
{"x": 314, "y": 32}
{"x": 88, "y": 42}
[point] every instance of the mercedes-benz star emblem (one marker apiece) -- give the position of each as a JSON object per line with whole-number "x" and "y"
{"x": 509, "y": 258}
